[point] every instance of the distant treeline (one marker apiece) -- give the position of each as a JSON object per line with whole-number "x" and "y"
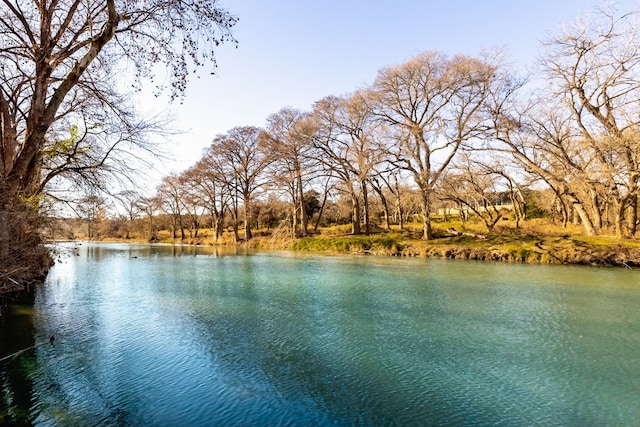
{"x": 435, "y": 135}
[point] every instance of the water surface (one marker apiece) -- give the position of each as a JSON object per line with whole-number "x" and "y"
{"x": 162, "y": 335}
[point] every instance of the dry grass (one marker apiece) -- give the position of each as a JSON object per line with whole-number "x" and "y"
{"x": 534, "y": 241}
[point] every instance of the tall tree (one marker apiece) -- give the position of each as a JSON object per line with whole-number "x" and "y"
{"x": 212, "y": 190}
{"x": 543, "y": 141}
{"x": 191, "y": 200}
{"x": 581, "y": 134}
{"x": 170, "y": 193}
{"x": 436, "y": 105}
{"x": 92, "y": 209}
{"x": 57, "y": 62}
{"x": 594, "y": 68}
{"x": 245, "y": 155}
{"x": 129, "y": 201}
{"x": 288, "y": 132}
{"x": 345, "y": 142}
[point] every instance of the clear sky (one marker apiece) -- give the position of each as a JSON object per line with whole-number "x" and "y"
{"x": 294, "y": 52}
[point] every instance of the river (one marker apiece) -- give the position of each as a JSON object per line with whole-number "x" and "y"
{"x": 168, "y": 336}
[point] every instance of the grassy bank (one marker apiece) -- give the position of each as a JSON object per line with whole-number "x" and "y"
{"x": 533, "y": 242}
{"x": 529, "y": 249}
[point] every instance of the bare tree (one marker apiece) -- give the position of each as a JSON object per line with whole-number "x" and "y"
{"x": 594, "y": 69}
{"x": 361, "y": 129}
{"x": 436, "y": 105}
{"x": 150, "y": 206}
{"x": 580, "y": 135}
{"x": 170, "y": 193}
{"x": 479, "y": 188}
{"x": 211, "y": 189}
{"x": 345, "y": 144}
{"x": 91, "y": 208}
{"x": 288, "y": 134}
{"x": 57, "y": 59}
{"x": 129, "y": 200}
{"x": 244, "y": 154}
{"x": 191, "y": 200}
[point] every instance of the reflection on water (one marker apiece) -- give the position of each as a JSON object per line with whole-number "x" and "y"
{"x": 164, "y": 335}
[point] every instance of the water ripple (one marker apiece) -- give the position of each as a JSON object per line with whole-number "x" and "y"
{"x": 195, "y": 338}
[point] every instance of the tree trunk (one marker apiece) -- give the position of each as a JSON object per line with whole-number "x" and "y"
{"x": 427, "y": 232}
{"x": 294, "y": 216}
{"x": 321, "y": 211}
{"x": 632, "y": 220}
{"x": 585, "y": 219}
{"x": 399, "y": 205}
{"x": 355, "y": 215}
{"x": 214, "y": 227}
{"x": 365, "y": 201}
{"x": 304, "y": 221}
{"x": 625, "y": 215}
{"x": 400, "y": 214}
{"x": 236, "y": 233}
{"x": 619, "y": 220}
{"x": 181, "y": 223}
{"x": 247, "y": 221}
{"x": 385, "y": 204}
{"x": 596, "y": 213}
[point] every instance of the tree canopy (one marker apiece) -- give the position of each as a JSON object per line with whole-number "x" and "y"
{"x": 439, "y": 132}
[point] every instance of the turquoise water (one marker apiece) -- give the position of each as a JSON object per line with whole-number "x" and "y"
{"x": 171, "y": 336}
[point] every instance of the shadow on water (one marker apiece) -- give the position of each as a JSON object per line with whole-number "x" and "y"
{"x": 16, "y": 334}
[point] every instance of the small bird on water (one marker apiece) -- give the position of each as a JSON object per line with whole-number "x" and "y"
{"x": 52, "y": 339}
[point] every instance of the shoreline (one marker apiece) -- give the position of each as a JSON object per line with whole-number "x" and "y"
{"x": 563, "y": 250}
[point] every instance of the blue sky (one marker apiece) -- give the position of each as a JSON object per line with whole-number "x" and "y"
{"x": 292, "y": 53}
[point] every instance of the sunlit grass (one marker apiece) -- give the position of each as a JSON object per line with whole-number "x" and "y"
{"x": 533, "y": 241}
{"x": 349, "y": 244}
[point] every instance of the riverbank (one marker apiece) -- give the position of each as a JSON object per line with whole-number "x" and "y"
{"x": 535, "y": 242}
{"x": 521, "y": 249}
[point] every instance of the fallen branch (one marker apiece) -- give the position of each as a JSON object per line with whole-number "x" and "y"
{"x": 19, "y": 352}
{"x": 454, "y": 232}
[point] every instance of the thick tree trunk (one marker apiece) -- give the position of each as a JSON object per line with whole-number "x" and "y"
{"x": 321, "y": 211}
{"x": 427, "y": 232}
{"x": 596, "y": 213}
{"x": 215, "y": 227}
{"x": 633, "y": 216}
{"x": 398, "y": 202}
{"x": 588, "y": 225}
{"x": 355, "y": 215}
{"x": 365, "y": 202}
{"x": 304, "y": 221}
{"x": 385, "y": 204}
{"x": 247, "y": 220}
{"x": 294, "y": 216}
{"x": 236, "y": 233}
